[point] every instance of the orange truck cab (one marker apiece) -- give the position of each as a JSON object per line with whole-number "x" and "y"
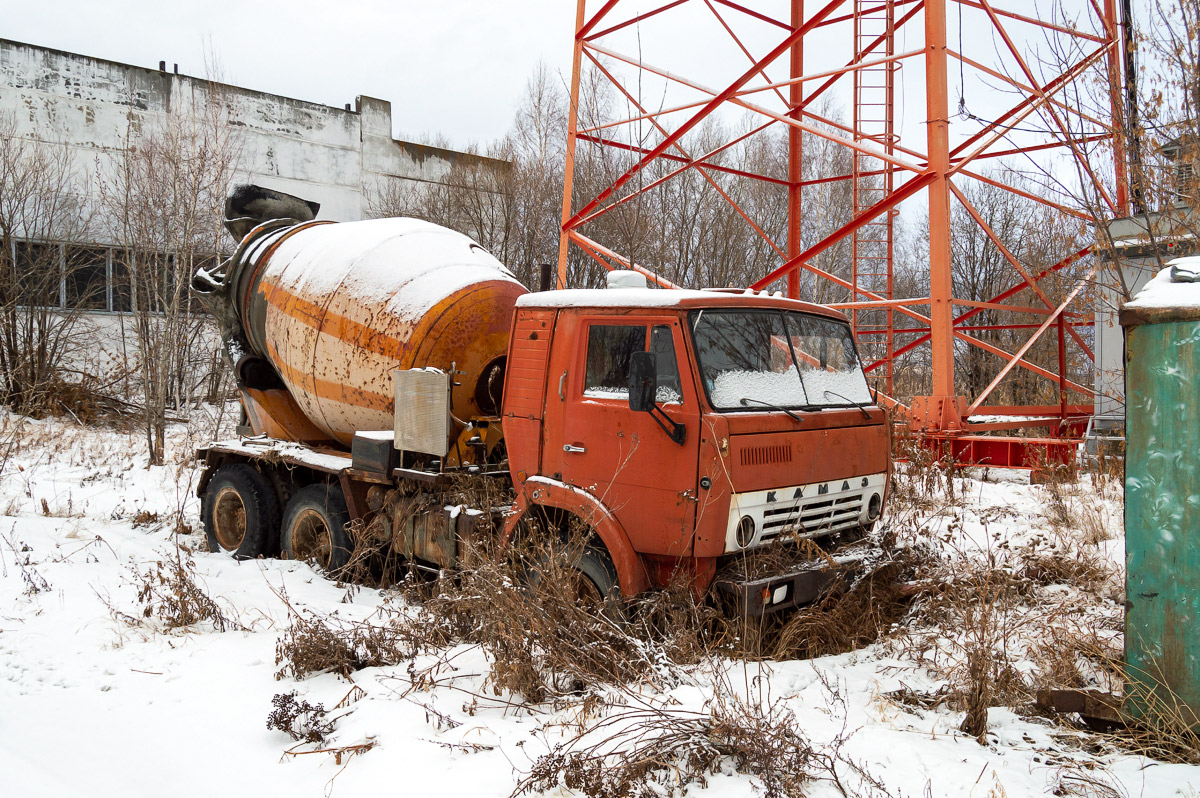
{"x": 689, "y": 429}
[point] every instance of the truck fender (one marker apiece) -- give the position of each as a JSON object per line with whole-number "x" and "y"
{"x": 631, "y": 571}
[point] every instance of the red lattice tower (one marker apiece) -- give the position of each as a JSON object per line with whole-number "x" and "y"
{"x": 887, "y": 169}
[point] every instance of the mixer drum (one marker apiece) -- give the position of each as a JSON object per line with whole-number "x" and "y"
{"x": 336, "y": 308}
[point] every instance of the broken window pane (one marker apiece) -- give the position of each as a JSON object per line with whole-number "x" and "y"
{"x": 122, "y": 290}
{"x": 39, "y": 274}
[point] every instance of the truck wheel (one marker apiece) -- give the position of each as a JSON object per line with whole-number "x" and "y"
{"x": 314, "y": 527}
{"x": 240, "y": 512}
{"x": 598, "y": 582}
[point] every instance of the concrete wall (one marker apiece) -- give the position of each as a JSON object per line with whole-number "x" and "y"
{"x": 334, "y": 156}
{"x": 338, "y": 157}
{"x": 1134, "y": 256}
{"x": 1110, "y": 343}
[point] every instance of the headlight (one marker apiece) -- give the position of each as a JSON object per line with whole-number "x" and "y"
{"x": 745, "y": 531}
{"x": 874, "y": 506}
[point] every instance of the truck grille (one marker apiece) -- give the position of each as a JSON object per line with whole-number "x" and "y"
{"x": 812, "y": 518}
{"x": 803, "y": 511}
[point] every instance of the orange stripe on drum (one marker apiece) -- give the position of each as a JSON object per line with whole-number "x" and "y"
{"x": 329, "y": 390}
{"x": 330, "y": 323}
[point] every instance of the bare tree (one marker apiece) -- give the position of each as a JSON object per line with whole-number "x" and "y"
{"x": 164, "y": 203}
{"x": 474, "y": 198}
{"x": 42, "y": 219}
{"x": 512, "y": 210}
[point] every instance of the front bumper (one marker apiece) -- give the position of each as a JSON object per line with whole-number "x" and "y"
{"x": 802, "y": 584}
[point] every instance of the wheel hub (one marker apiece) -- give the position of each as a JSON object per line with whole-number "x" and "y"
{"x": 229, "y": 519}
{"x": 311, "y": 539}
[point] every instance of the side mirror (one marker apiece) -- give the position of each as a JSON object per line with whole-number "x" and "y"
{"x": 643, "y": 381}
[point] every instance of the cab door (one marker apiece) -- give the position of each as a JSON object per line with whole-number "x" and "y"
{"x": 623, "y": 457}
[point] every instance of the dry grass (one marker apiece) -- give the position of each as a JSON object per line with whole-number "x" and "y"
{"x": 644, "y": 750}
{"x": 523, "y": 610}
{"x": 857, "y": 607}
{"x": 170, "y": 592}
{"x": 22, "y": 556}
{"x": 999, "y": 620}
{"x": 300, "y": 720}
{"x": 315, "y": 643}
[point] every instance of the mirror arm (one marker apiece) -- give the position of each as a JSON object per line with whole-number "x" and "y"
{"x": 677, "y": 431}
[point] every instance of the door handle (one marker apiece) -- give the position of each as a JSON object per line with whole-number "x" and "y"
{"x": 575, "y": 449}
{"x": 562, "y": 394}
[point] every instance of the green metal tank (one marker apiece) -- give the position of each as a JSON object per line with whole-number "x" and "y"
{"x": 1162, "y": 497}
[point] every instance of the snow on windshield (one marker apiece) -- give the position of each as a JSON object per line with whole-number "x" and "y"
{"x": 664, "y": 395}
{"x": 757, "y": 388}
{"x": 767, "y": 357}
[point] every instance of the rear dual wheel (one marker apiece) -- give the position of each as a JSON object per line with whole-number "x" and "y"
{"x": 314, "y": 527}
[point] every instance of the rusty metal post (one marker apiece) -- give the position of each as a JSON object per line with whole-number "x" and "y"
{"x": 572, "y": 125}
{"x": 545, "y": 277}
{"x": 1116, "y": 92}
{"x": 941, "y": 280}
{"x": 795, "y": 153}
{"x": 1062, "y": 367}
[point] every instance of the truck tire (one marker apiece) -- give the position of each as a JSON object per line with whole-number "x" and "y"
{"x": 598, "y": 577}
{"x": 591, "y": 571}
{"x": 240, "y": 512}
{"x": 314, "y": 527}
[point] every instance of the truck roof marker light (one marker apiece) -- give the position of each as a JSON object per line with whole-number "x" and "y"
{"x": 626, "y": 278}
{"x": 522, "y": 476}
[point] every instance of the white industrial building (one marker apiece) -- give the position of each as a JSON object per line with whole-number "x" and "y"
{"x": 338, "y": 157}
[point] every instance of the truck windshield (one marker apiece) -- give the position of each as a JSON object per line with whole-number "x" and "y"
{"x": 749, "y": 358}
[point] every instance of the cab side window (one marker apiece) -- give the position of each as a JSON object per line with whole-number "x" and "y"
{"x": 610, "y": 348}
{"x": 662, "y": 344}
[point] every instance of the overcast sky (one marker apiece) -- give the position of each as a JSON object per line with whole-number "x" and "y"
{"x": 455, "y": 67}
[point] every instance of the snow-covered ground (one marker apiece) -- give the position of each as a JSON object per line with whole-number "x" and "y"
{"x": 96, "y": 700}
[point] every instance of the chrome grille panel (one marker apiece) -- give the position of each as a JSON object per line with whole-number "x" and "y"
{"x": 803, "y": 511}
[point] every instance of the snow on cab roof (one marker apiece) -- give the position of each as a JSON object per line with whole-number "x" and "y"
{"x": 662, "y": 298}
{"x": 609, "y": 297}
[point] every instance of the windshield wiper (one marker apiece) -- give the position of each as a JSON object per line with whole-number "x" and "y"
{"x": 862, "y": 407}
{"x": 745, "y": 401}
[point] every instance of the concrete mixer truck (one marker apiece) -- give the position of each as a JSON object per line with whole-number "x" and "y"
{"x": 379, "y": 362}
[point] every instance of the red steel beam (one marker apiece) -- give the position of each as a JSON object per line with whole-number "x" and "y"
{"x": 1041, "y": 23}
{"x": 1049, "y": 106}
{"x": 1028, "y": 344}
{"x": 1012, "y": 260}
{"x": 635, "y": 20}
{"x": 1062, "y": 264}
{"x": 931, "y": 171}
{"x": 711, "y": 106}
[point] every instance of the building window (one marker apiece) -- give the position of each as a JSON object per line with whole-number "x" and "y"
{"x": 120, "y": 285}
{"x": 97, "y": 278}
{"x": 39, "y": 273}
{"x": 87, "y": 278}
